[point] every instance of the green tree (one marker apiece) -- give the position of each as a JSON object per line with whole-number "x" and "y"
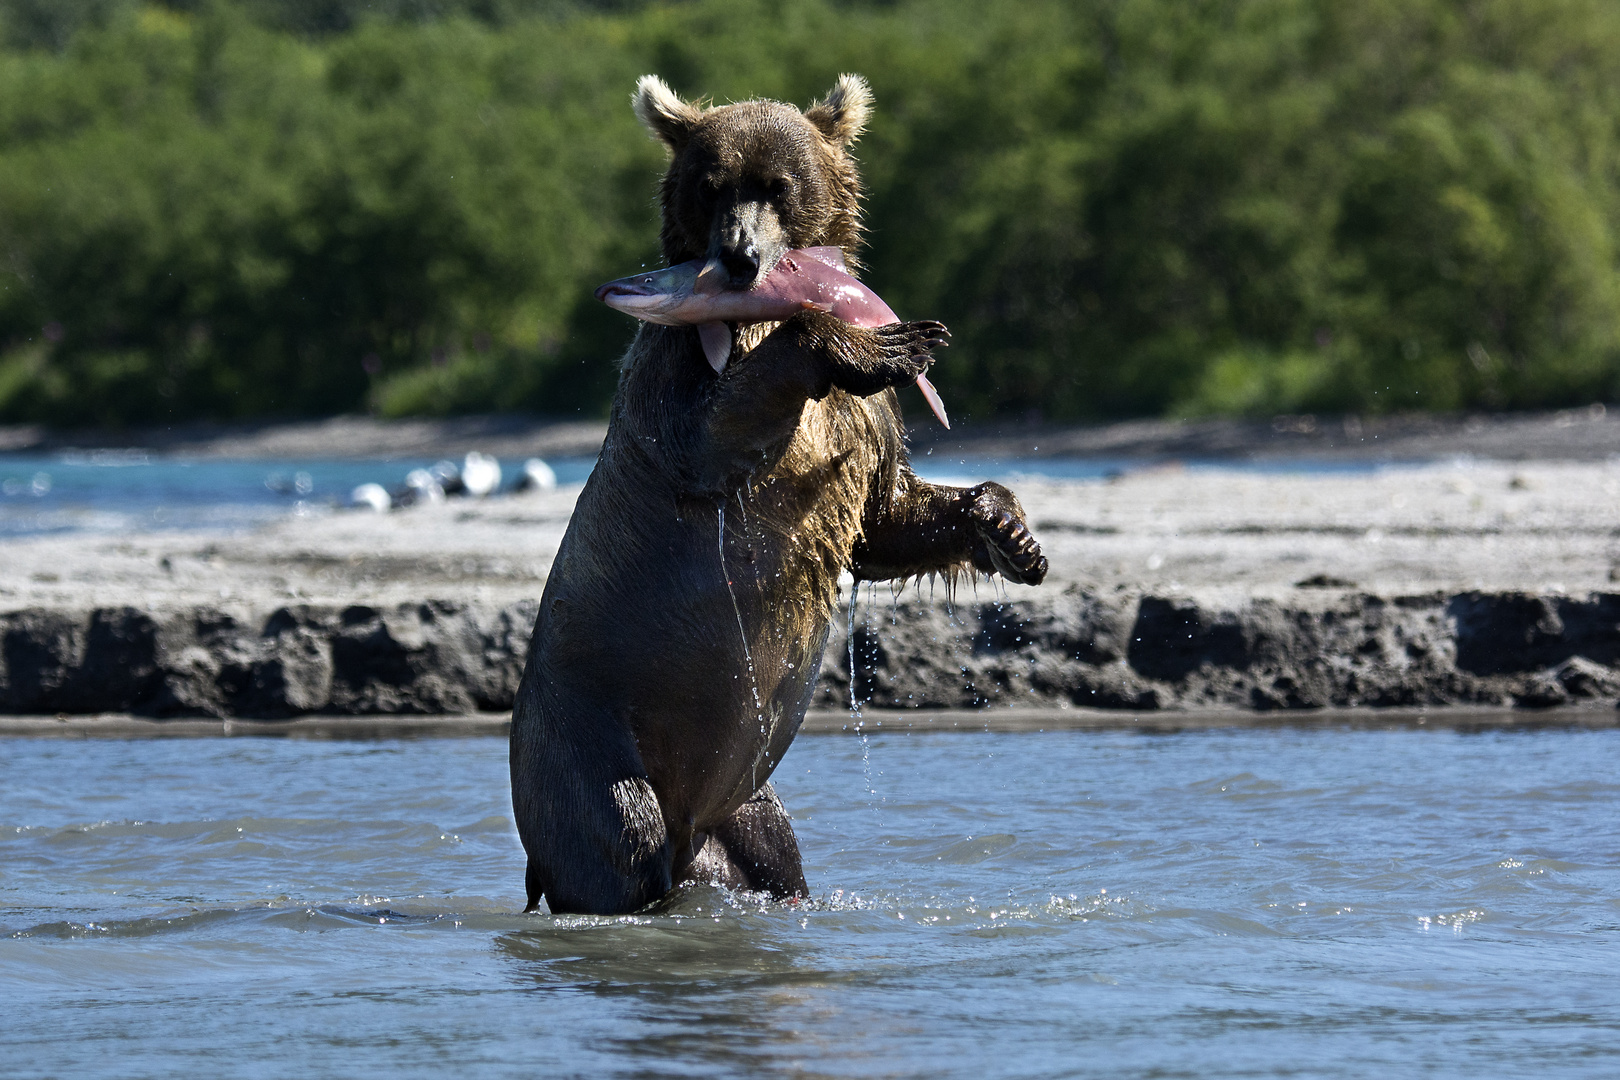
{"x": 237, "y": 208}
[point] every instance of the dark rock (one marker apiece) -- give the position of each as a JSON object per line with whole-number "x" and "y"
{"x": 1518, "y": 632}
{"x": 1540, "y": 691}
{"x": 1582, "y": 678}
{"x": 105, "y": 661}
{"x": 1324, "y": 581}
{"x": 1072, "y": 648}
{"x": 429, "y": 657}
{"x": 1078, "y": 624}
{"x": 1174, "y": 638}
{"x": 41, "y": 651}
{"x": 1592, "y": 627}
{"x": 1115, "y": 686}
{"x": 1507, "y": 632}
{"x": 292, "y": 669}
{"x": 422, "y": 658}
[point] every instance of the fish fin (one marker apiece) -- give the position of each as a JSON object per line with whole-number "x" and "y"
{"x": 711, "y": 279}
{"x": 716, "y": 338}
{"x": 932, "y": 397}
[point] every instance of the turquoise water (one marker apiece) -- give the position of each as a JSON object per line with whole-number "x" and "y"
{"x": 120, "y": 491}
{"x": 1215, "y": 904}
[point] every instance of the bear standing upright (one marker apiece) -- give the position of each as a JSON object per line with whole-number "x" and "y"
{"x": 682, "y": 625}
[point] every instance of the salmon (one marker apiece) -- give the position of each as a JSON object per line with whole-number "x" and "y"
{"x": 694, "y": 294}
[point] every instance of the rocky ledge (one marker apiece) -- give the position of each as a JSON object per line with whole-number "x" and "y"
{"x": 1457, "y": 582}
{"x": 1121, "y": 650}
{"x": 1146, "y": 652}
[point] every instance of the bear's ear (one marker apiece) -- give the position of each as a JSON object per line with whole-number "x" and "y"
{"x": 665, "y": 114}
{"x": 841, "y": 115}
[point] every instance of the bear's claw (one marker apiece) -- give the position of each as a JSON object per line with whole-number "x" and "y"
{"x": 914, "y": 342}
{"x": 1010, "y": 549}
{"x": 905, "y": 350}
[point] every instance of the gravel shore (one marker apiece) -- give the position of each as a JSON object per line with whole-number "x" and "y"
{"x": 1235, "y": 582}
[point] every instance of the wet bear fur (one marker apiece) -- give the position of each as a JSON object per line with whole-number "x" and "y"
{"x": 683, "y": 621}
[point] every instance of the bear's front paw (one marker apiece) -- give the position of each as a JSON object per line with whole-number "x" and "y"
{"x": 1006, "y": 545}
{"x": 912, "y": 344}
{"x": 894, "y": 356}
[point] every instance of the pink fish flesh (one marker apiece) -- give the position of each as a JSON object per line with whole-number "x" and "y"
{"x": 694, "y": 293}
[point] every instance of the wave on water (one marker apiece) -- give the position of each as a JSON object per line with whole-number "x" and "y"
{"x": 234, "y": 921}
{"x": 1011, "y": 904}
{"x": 693, "y": 906}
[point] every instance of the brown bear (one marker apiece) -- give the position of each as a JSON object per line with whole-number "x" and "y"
{"x": 683, "y": 622}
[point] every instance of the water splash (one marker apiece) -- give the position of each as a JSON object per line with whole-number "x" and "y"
{"x": 856, "y": 716}
{"x": 748, "y": 655}
{"x": 849, "y": 641}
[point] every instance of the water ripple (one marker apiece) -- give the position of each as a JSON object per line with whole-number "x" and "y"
{"x": 1264, "y": 903}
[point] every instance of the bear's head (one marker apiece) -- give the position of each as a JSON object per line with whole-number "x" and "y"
{"x": 749, "y": 181}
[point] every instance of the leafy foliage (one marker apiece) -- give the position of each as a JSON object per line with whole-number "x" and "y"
{"x": 228, "y": 209}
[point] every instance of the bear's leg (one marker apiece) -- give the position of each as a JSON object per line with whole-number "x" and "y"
{"x": 608, "y": 855}
{"x": 589, "y": 820}
{"x": 929, "y": 528}
{"x": 754, "y": 849}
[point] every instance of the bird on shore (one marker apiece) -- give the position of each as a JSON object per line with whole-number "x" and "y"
{"x": 374, "y": 496}
{"x": 536, "y": 476}
{"x": 480, "y": 474}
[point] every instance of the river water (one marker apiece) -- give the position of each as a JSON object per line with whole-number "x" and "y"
{"x": 122, "y": 491}
{"x": 1212, "y": 903}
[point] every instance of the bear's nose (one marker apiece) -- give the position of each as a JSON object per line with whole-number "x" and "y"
{"x": 741, "y": 266}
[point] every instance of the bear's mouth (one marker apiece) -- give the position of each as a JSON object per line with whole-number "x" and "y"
{"x": 714, "y": 278}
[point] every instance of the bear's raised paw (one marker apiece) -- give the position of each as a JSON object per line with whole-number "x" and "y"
{"x": 1007, "y": 546}
{"x": 912, "y": 343}
{"x": 890, "y": 356}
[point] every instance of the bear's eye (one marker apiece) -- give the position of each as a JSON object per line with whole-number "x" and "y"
{"x": 702, "y": 195}
{"x": 778, "y": 186}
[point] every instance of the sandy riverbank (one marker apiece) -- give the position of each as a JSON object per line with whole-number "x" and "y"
{"x": 1585, "y": 434}
{"x": 1443, "y": 579}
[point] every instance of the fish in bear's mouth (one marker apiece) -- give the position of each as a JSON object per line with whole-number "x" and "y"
{"x": 694, "y": 294}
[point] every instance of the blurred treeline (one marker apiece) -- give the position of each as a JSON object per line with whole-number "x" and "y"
{"x": 1121, "y": 207}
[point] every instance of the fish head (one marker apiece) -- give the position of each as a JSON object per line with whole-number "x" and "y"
{"x": 655, "y": 296}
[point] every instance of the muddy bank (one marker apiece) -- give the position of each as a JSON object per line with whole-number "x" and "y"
{"x": 1455, "y": 584}
{"x": 1147, "y": 652}
{"x": 1124, "y": 651}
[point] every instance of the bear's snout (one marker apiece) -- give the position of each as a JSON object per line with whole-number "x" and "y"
{"x": 748, "y": 242}
{"x": 742, "y": 266}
